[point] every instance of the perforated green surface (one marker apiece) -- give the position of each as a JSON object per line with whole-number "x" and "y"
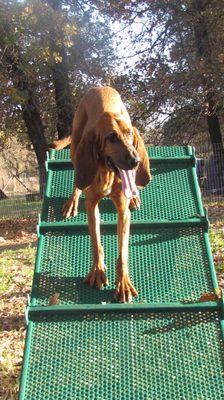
{"x": 126, "y": 356}
{"x": 165, "y": 265}
{"x": 88, "y": 347}
{"x": 155, "y": 151}
{"x": 170, "y": 195}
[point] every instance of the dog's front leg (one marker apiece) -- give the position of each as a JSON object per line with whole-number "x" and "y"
{"x": 124, "y": 288}
{"x": 96, "y": 276}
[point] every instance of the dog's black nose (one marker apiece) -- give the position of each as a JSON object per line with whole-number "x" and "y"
{"x": 133, "y": 161}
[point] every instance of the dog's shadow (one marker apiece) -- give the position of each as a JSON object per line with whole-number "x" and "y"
{"x": 70, "y": 290}
{"x": 52, "y": 210}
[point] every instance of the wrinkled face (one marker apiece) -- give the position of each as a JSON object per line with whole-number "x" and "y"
{"x": 119, "y": 151}
{"x": 117, "y": 145}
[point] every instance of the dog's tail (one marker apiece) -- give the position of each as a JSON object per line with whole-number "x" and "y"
{"x": 61, "y": 143}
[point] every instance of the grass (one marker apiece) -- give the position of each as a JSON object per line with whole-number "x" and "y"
{"x": 10, "y": 263}
{"x": 16, "y": 270}
{"x": 19, "y": 207}
{"x": 216, "y": 232}
{"x": 217, "y": 244}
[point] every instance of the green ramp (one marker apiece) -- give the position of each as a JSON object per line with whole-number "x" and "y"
{"x": 164, "y": 345}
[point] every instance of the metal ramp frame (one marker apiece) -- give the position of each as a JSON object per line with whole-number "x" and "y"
{"x": 164, "y": 345}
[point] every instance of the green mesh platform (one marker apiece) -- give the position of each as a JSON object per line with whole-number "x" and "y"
{"x": 125, "y": 356}
{"x": 166, "y": 344}
{"x": 171, "y": 195}
{"x": 161, "y": 268}
{"x": 156, "y": 151}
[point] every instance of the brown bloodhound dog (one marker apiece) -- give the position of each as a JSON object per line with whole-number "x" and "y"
{"x": 110, "y": 159}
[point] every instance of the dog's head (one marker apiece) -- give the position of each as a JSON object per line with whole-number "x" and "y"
{"x": 118, "y": 144}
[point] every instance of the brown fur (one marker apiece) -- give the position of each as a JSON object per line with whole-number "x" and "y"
{"x": 100, "y": 112}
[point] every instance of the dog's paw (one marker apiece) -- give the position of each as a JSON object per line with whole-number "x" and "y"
{"x": 125, "y": 291}
{"x": 70, "y": 209}
{"x": 97, "y": 277}
{"x": 135, "y": 203}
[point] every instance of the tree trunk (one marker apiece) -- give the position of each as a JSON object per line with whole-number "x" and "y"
{"x": 204, "y": 49}
{"x": 214, "y": 128}
{"x": 61, "y": 81}
{"x": 35, "y": 132}
{"x": 30, "y": 111}
{"x": 62, "y": 94}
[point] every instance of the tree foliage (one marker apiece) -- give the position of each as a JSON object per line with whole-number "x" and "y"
{"x": 50, "y": 52}
{"x": 170, "y": 71}
{"x": 177, "y": 47}
{"x": 29, "y": 26}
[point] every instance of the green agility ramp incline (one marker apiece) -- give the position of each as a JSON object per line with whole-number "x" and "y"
{"x": 166, "y": 344}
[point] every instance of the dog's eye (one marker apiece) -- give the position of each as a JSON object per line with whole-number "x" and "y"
{"x": 112, "y": 137}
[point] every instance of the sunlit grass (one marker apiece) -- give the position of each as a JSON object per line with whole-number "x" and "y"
{"x": 19, "y": 207}
{"x": 16, "y": 270}
{"x": 217, "y": 244}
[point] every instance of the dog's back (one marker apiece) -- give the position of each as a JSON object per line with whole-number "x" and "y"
{"x": 99, "y": 100}
{"x": 93, "y": 104}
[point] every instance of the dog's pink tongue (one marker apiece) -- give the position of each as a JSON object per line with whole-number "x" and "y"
{"x": 128, "y": 183}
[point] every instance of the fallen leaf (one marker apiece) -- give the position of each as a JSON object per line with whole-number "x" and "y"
{"x": 211, "y": 296}
{"x": 207, "y": 297}
{"x": 54, "y": 299}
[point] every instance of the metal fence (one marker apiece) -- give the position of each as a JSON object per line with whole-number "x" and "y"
{"x": 27, "y": 204}
{"x": 210, "y": 170}
{"x": 20, "y": 196}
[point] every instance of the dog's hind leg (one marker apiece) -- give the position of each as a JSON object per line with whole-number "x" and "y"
{"x": 70, "y": 208}
{"x": 61, "y": 143}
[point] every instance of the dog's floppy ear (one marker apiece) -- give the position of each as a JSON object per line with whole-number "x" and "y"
{"x": 86, "y": 160}
{"x": 143, "y": 176}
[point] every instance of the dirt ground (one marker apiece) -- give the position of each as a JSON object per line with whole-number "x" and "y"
{"x": 17, "y": 232}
